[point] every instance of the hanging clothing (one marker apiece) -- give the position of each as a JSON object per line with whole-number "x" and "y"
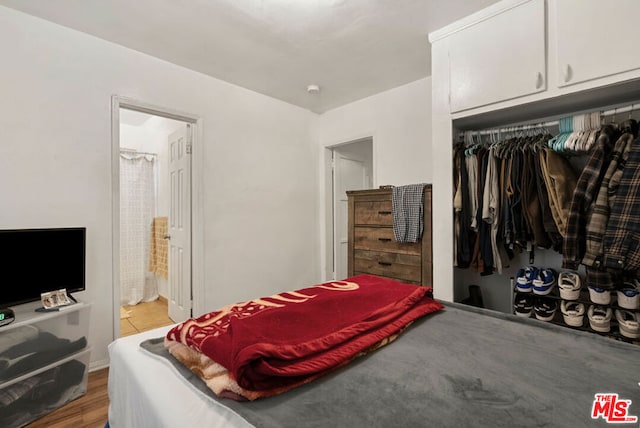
{"x": 491, "y": 206}
{"x": 584, "y": 194}
{"x": 485, "y": 228}
{"x": 561, "y": 181}
{"x": 599, "y": 214}
{"x": 548, "y": 222}
{"x": 472, "y": 176}
{"x": 622, "y": 236}
{"x": 463, "y": 254}
{"x": 519, "y": 231}
{"x": 508, "y": 192}
{"x": 531, "y": 201}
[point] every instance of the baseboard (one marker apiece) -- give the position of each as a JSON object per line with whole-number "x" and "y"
{"x": 98, "y": 365}
{"x": 163, "y": 299}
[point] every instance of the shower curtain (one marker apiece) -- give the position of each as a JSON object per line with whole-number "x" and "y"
{"x": 137, "y": 209}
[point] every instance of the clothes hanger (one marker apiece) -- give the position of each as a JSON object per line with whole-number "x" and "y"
{"x": 630, "y": 125}
{"x": 597, "y": 122}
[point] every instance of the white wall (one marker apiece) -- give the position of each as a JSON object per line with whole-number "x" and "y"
{"x": 260, "y": 168}
{"x": 399, "y": 120}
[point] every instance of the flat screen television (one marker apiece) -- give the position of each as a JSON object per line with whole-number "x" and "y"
{"x": 34, "y": 261}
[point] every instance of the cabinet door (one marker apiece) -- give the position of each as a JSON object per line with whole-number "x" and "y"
{"x": 499, "y": 58}
{"x": 596, "y": 39}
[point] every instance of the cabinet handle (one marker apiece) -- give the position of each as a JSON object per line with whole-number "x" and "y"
{"x": 384, "y": 239}
{"x": 384, "y": 263}
{"x": 384, "y": 212}
{"x": 539, "y": 80}
{"x": 568, "y": 73}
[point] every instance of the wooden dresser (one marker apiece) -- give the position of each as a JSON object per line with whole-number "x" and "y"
{"x": 372, "y": 247}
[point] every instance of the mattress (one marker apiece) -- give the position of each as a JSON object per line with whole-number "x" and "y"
{"x": 459, "y": 367}
{"x": 148, "y": 392}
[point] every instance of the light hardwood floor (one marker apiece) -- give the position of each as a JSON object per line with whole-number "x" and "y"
{"x": 91, "y": 410}
{"x": 143, "y": 317}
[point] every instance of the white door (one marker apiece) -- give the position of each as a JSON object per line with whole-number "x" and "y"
{"x": 348, "y": 174}
{"x": 180, "y": 224}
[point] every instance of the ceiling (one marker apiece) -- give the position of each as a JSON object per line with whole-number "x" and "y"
{"x": 349, "y": 48}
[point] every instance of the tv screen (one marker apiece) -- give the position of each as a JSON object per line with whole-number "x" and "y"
{"x": 33, "y": 261}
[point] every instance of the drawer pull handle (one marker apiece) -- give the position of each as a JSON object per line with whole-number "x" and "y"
{"x": 384, "y": 239}
{"x": 384, "y": 212}
{"x": 384, "y": 263}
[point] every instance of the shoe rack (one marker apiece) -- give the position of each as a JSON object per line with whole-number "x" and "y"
{"x": 584, "y": 298}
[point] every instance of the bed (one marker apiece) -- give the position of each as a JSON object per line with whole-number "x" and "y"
{"x": 461, "y": 366}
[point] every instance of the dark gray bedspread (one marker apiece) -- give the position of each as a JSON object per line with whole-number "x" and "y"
{"x": 461, "y": 367}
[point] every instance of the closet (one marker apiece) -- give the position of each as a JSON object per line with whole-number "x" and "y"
{"x": 520, "y": 66}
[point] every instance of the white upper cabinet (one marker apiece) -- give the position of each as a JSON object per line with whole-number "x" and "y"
{"x": 499, "y": 57}
{"x": 595, "y": 39}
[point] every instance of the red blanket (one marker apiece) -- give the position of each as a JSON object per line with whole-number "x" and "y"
{"x": 281, "y": 341}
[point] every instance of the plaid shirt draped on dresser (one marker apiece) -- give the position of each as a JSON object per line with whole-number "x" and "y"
{"x": 407, "y": 203}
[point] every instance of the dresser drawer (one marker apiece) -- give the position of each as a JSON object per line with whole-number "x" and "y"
{"x": 373, "y": 212}
{"x": 393, "y": 265}
{"x": 382, "y": 239}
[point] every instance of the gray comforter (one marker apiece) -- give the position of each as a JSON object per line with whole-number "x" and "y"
{"x": 461, "y": 367}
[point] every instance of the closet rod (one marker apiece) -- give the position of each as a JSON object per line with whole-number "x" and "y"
{"x": 624, "y": 109}
{"x": 135, "y": 152}
{"x": 611, "y": 112}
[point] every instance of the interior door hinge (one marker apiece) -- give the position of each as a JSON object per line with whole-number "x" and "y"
{"x": 189, "y": 147}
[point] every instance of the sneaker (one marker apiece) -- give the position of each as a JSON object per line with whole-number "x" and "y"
{"x": 545, "y": 308}
{"x": 628, "y": 323}
{"x": 544, "y": 282}
{"x": 523, "y": 305}
{"x": 572, "y": 313}
{"x": 599, "y": 318}
{"x": 569, "y": 284}
{"x": 629, "y": 296}
{"x": 599, "y": 295}
{"x": 525, "y": 277}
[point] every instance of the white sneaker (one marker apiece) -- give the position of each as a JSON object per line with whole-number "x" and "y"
{"x": 599, "y": 318}
{"x": 599, "y": 295}
{"x": 628, "y": 323}
{"x": 573, "y": 313}
{"x": 569, "y": 284}
{"x": 629, "y": 296}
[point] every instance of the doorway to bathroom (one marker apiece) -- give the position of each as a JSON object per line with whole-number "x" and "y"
{"x": 154, "y": 250}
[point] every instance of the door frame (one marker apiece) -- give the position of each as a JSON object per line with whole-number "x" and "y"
{"x": 197, "y": 211}
{"x": 327, "y": 243}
